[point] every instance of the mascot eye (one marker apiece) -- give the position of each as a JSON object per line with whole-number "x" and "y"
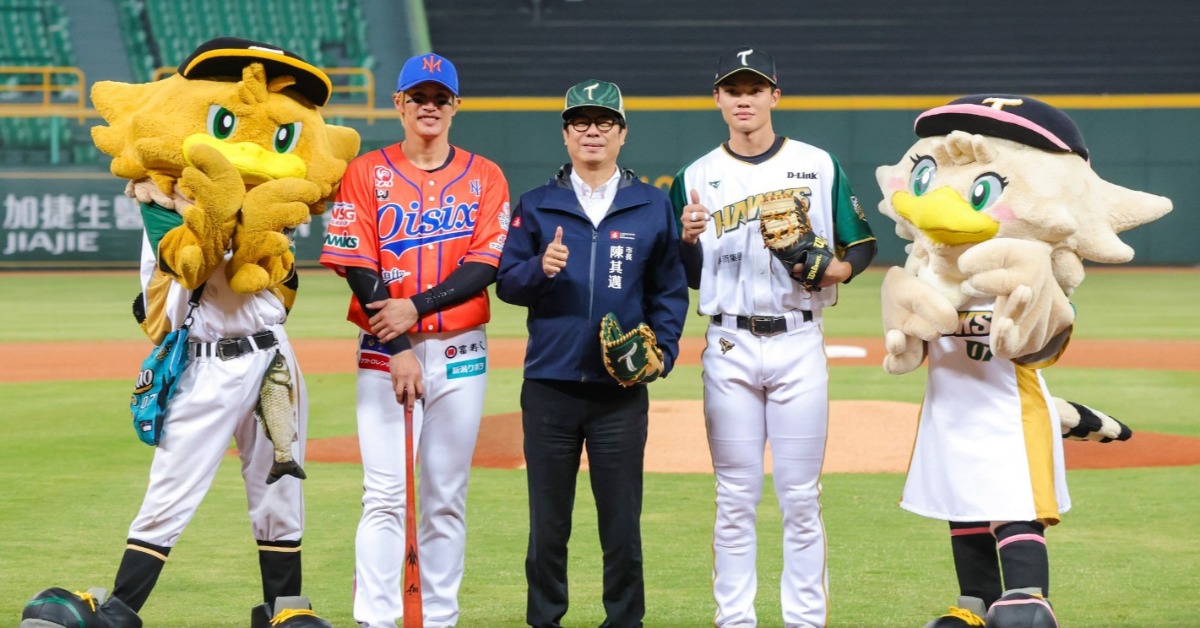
{"x": 986, "y": 190}
{"x": 221, "y": 122}
{"x": 922, "y": 175}
{"x": 286, "y": 136}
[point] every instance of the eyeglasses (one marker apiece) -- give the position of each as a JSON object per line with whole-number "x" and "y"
{"x": 583, "y": 124}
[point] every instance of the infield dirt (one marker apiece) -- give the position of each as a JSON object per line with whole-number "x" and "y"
{"x": 864, "y": 436}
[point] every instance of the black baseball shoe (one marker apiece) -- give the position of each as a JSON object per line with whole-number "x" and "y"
{"x": 969, "y": 612}
{"x": 60, "y": 608}
{"x": 1022, "y": 608}
{"x": 287, "y": 612}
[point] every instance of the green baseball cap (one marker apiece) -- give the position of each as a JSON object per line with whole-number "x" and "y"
{"x": 593, "y": 93}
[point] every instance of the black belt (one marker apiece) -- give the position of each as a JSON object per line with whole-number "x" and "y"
{"x": 763, "y": 325}
{"x": 230, "y": 348}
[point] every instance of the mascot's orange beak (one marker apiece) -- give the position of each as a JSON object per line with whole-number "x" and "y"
{"x": 256, "y": 164}
{"x": 945, "y": 217}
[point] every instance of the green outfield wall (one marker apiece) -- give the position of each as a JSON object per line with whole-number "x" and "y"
{"x": 80, "y": 218}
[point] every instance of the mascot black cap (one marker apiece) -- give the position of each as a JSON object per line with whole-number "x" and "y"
{"x": 226, "y": 56}
{"x": 1021, "y": 119}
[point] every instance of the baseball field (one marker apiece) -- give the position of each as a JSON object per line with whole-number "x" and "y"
{"x": 72, "y": 473}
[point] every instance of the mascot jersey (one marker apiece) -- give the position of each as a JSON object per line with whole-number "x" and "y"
{"x": 988, "y": 443}
{"x": 416, "y": 227}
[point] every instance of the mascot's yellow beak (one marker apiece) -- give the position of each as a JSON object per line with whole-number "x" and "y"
{"x": 945, "y": 217}
{"x": 256, "y": 164}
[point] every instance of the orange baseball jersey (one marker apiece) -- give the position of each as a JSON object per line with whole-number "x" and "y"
{"x": 415, "y": 227}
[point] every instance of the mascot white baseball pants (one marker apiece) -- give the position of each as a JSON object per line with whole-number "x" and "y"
{"x": 760, "y": 389}
{"x": 446, "y": 424}
{"x": 215, "y": 401}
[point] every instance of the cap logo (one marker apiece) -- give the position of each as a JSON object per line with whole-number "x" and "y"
{"x": 589, "y": 89}
{"x": 743, "y": 54}
{"x": 999, "y": 103}
{"x": 431, "y": 64}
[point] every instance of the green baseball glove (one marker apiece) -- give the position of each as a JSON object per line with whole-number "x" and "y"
{"x": 632, "y": 357}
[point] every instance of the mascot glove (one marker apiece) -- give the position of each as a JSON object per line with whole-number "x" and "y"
{"x": 193, "y": 249}
{"x": 1031, "y": 309}
{"x": 262, "y": 255}
{"x": 913, "y": 313}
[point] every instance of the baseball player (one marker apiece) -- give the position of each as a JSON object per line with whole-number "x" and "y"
{"x": 593, "y": 239}
{"x": 417, "y": 230}
{"x": 765, "y": 375}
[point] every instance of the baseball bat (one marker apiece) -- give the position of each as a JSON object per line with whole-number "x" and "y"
{"x": 413, "y": 613}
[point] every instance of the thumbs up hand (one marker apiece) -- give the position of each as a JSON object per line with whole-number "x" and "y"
{"x": 555, "y": 257}
{"x": 695, "y": 219}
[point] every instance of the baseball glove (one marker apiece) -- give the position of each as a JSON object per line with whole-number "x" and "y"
{"x": 789, "y": 235}
{"x": 632, "y": 357}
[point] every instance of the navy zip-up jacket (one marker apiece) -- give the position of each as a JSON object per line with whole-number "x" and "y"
{"x": 629, "y": 265}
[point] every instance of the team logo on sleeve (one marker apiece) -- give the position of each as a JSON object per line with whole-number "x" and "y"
{"x": 383, "y": 177}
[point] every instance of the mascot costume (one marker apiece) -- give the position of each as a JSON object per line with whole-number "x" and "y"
{"x": 1002, "y": 206}
{"x": 227, "y": 158}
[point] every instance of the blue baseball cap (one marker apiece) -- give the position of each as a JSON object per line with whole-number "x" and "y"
{"x": 428, "y": 68}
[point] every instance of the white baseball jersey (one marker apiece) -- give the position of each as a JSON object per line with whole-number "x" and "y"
{"x": 766, "y": 388}
{"x": 741, "y": 277}
{"x": 214, "y": 402}
{"x": 988, "y": 444}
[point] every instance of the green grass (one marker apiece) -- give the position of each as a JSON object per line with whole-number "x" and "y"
{"x": 51, "y": 307}
{"x": 73, "y": 477}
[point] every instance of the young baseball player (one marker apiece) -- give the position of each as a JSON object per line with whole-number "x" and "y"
{"x": 417, "y": 230}
{"x": 765, "y": 376}
{"x": 592, "y": 240}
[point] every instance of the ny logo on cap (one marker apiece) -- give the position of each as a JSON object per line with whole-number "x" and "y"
{"x": 431, "y": 64}
{"x": 745, "y": 53}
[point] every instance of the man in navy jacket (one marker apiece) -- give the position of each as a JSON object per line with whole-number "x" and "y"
{"x": 593, "y": 240}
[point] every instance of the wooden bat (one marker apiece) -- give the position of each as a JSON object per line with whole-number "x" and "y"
{"x": 413, "y": 613}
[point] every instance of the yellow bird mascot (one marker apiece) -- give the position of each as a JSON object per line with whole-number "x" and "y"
{"x": 227, "y": 158}
{"x": 1002, "y": 206}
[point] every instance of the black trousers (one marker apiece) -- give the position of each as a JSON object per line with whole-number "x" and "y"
{"x": 560, "y": 418}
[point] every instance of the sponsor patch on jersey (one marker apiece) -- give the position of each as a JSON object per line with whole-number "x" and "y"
{"x": 621, "y": 235}
{"x": 466, "y": 368}
{"x": 496, "y": 246}
{"x": 392, "y": 275}
{"x": 383, "y": 177}
{"x": 802, "y": 175}
{"x": 341, "y": 241}
{"x": 858, "y": 210}
{"x": 382, "y": 195}
{"x": 372, "y": 355}
{"x": 341, "y": 215}
{"x": 714, "y": 184}
{"x": 516, "y": 223}
{"x": 504, "y": 217}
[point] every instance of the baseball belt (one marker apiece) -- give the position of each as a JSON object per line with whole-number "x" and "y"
{"x": 230, "y": 348}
